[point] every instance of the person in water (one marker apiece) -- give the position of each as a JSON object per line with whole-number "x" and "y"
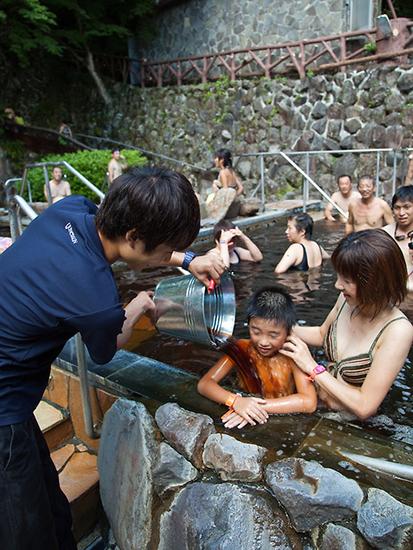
{"x": 304, "y": 253}
{"x": 227, "y": 238}
{"x": 261, "y": 369}
{"x": 402, "y": 228}
{"x": 366, "y": 338}
{"x": 342, "y": 198}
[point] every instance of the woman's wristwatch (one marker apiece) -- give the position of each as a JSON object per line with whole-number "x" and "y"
{"x": 318, "y": 369}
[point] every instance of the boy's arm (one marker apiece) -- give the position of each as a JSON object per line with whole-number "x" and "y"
{"x": 243, "y": 410}
{"x": 304, "y": 400}
{"x": 209, "y": 387}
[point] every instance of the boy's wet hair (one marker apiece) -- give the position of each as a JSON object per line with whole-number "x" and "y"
{"x": 303, "y": 222}
{"x": 158, "y": 205}
{"x": 403, "y": 194}
{"x": 273, "y": 303}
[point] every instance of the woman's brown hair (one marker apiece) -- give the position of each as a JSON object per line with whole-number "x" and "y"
{"x": 374, "y": 261}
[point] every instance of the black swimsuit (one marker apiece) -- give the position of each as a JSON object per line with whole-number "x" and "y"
{"x": 303, "y": 265}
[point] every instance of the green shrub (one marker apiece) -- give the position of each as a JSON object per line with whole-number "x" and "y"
{"x": 92, "y": 165}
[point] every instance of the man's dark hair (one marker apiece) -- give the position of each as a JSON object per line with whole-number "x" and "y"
{"x": 367, "y": 177}
{"x": 403, "y": 194}
{"x": 303, "y": 222}
{"x": 115, "y": 149}
{"x": 158, "y": 205}
{"x": 273, "y": 303}
{"x": 344, "y": 176}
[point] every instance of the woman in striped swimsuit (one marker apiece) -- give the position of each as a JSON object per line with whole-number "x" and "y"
{"x": 366, "y": 338}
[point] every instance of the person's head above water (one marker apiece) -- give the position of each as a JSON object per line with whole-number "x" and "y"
{"x": 222, "y": 225}
{"x": 374, "y": 263}
{"x": 271, "y": 316}
{"x": 344, "y": 184}
{"x": 154, "y": 205}
{"x": 223, "y": 158}
{"x": 402, "y": 206}
{"x": 303, "y": 225}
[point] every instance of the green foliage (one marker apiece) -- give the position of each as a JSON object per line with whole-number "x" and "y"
{"x": 91, "y": 164}
{"x": 310, "y": 73}
{"x": 370, "y": 47}
{"x": 27, "y": 26}
{"x": 16, "y": 154}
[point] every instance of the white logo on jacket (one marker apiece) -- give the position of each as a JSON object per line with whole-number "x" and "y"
{"x": 72, "y": 235}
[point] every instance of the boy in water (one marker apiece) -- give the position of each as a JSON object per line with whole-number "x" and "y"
{"x": 284, "y": 388}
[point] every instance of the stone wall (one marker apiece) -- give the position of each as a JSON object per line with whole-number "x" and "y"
{"x": 171, "y": 481}
{"x": 204, "y": 26}
{"x": 366, "y": 108}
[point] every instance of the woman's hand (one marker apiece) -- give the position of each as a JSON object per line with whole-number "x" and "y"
{"x": 226, "y": 236}
{"x": 250, "y": 409}
{"x": 298, "y": 351}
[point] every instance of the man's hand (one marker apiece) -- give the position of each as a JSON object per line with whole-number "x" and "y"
{"x": 137, "y": 307}
{"x": 206, "y": 267}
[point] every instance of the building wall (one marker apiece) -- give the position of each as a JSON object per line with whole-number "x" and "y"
{"x": 205, "y": 26}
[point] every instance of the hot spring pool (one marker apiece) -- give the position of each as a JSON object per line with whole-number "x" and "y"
{"x": 313, "y": 293}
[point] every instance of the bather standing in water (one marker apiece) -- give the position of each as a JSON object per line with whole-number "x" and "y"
{"x": 261, "y": 369}
{"x": 402, "y": 229}
{"x": 304, "y": 253}
{"x": 365, "y": 336}
{"x": 368, "y": 211}
{"x": 227, "y": 238}
{"x": 342, "y": 198}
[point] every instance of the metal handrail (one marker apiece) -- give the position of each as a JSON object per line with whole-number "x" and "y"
{"x": 69, "y": 167}
{"x": 146, "y": 152}
{"x": 84, "y": 387}
{"x": 307, "y": 179}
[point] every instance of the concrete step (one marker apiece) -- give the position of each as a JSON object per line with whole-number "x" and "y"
{"x": 55, "y": 423}
{"x": 79, "y": 480}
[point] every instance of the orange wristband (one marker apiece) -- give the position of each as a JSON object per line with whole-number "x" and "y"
{"x": 231, "y": 400}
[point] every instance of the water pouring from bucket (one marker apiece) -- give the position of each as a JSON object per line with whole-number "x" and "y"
{"x": 185, "y": 309}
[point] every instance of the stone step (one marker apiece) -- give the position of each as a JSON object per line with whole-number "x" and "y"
{"x": 79, "y": 480}
{"x": 55, "y": 423}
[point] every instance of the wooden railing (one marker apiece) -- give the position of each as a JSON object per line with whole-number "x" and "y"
{"x": 302, "y": 57}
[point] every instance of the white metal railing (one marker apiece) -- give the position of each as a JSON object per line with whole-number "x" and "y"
{"x": 399, "y": 156}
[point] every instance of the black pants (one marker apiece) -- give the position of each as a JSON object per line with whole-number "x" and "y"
{"x": 34, "y": 512}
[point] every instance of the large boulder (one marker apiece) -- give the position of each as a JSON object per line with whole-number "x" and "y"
{"x": 337, "y": 537}
{"x": 186, "y": 431}
{"x": 172, "y": 470}
{"x": 385, "y": 522}
{"x": 312, "y": 494}
{"x": 233, "y": 459}
{"x": 127, "y": 453}
{"x": 225, "y": 517}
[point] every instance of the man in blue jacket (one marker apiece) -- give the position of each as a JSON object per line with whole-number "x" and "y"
{"x": 56, "y": 280}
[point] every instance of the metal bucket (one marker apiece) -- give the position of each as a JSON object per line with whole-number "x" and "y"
{"x": 186, "y": 310}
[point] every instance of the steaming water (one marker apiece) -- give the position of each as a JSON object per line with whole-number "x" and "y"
{"x": 314, "y": 295}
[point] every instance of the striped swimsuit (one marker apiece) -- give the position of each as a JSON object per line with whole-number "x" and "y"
{"x": 352, "y": 370}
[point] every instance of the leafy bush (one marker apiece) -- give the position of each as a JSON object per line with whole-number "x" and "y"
{"x": 92, "y": 165}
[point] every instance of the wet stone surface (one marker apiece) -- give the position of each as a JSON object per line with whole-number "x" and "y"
{"x": 186, "y": 431}
{"x": 172, "y": 470}
{"x": 386, "y": 523}
{"x": 225, "y": 517}
{"x": 232, "y": 459}
{"x": 312, "y": 494}
{"x": 127, "y": 454}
